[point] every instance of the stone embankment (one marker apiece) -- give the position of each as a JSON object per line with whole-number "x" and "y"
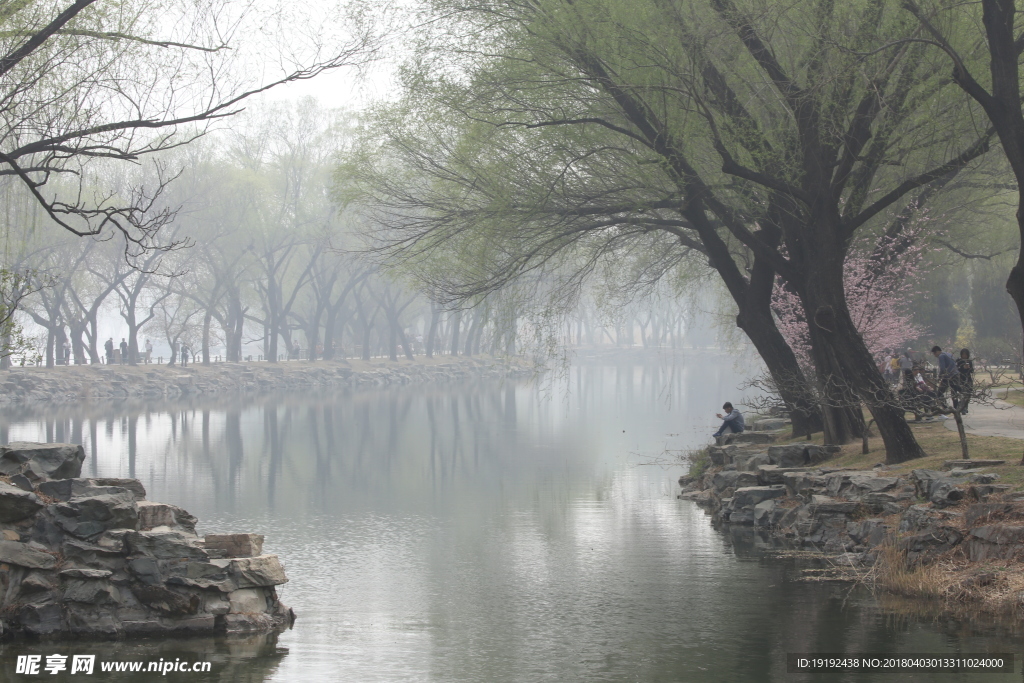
{"x": 791, "y": 493}
{"x": 85, "y": 382}
{"x": 93, "y": 557}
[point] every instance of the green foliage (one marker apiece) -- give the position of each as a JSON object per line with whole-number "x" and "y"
{"x": 700, "y": 462}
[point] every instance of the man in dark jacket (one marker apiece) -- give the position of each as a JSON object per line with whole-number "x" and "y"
{"x": 731, "y": 421}
{"x": 108, "y": 346}
{"x": 947, "y": 370}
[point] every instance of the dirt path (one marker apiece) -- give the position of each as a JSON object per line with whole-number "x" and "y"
{"x": 1002, "y": 419}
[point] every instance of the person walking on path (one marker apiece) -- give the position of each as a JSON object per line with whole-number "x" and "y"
{"x": 149, "y": 351}
{"x": 963, "y": 382}
{"x": 108, "y": 346}
{"x": 731, "y": 421}
{"x": 184, "y": 355}
{"x": 124, "y": 351}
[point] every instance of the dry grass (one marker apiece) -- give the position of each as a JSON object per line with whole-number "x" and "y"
{"x": 894, "y": 573}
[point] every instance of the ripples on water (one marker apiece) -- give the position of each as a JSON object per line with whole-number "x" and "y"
{"x": 485, "y": 532}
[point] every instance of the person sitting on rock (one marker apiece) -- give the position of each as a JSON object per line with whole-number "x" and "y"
{"x": 732, "y": 420}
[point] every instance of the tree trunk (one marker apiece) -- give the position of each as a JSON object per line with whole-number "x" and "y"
{"x": 456, "y": 323}
{"x": 133, "y": 344}
{"x": 404, "y": 340}
{"x": 393, "y": 339}
{"x": 435, "y": 318}
{"x": 206, "y": 336}
{"x": 49, "y": 346}
{"x": 835, "y": 338}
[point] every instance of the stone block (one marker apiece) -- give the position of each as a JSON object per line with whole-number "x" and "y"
{"x": 720, "y": 457}
{"x": 76, "y": 573}
{"x": 91, "y": 591}
{"x": 40, "y": 619}
{"x": 172, "y": 517}
{"x": 763, "y": 512}
{"x": 750, "y": 437}
{"x": 247, "y": 600}
{"x": 12, "y": 552}
{"x": 733, "y": 479}
{"x": 133, "y": 485}
{"x": 796, "y": 455}
{"x": 825, "y": 505}
{"x": 90, "y": 516}
{"x": 252, "y": 572}
{"x": 164, "y": 545}
{"x": 16, "y": 504}
{"x": 752, "y": 495}
{"x": 752, "y": 462}
{"x": 235, "y": 545}
{"x": 41, "y": 461}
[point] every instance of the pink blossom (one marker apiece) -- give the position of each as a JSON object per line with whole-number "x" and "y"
{"x": 879, "y": 288}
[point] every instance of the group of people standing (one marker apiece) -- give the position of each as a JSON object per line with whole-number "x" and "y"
{"x": 954, "y": 374}
{"x": 124, "y": 348}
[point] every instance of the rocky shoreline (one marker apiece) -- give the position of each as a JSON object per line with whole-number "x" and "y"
{"x": 91, "y": 557}
{"x": 959, "y": 517}
{"x": 86, "y": 382}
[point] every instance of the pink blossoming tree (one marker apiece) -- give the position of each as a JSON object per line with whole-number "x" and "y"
{"x": 879, "y": 287}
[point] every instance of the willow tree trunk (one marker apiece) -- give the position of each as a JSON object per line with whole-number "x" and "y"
{"x": 834, "y": 334}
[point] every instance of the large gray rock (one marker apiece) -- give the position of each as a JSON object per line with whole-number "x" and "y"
{"x": 868, "y": 532}
{"x": 247, "y": 600}
{"x": 750, "y": 496}
{"x": 66, "y": 489}
{"x": 91, "y": 515}
{"x": 826, "y": 505}
{"x": 164, "y": 545}
{"x": 133, "y": 485}
{"x": 41, "y": 461}
{"x": 153, "y": 515}
{"x": 797, "y": 455}
{"x": 856, "y": 485}
{"x": 40, "y": 619}
{"x": 733, "y": 479}
{"x": 996, "y": 542}
{"x": 234, "y": 545}
{"x": 803, "y": 482}
{"x": 751, "y": 462}
{"x": 16, "y": 504}
{"x": 13, "y": 552}
{"x": 749, "y": 437}
{"x": 720, "y": 456}
{"x": 251, "y": 572}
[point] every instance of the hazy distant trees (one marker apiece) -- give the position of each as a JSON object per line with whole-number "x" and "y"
{"x": 262, "y": 256}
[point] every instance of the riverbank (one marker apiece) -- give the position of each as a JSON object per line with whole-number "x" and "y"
{"x": 84, "y": 382}
{"x": 936, "y": 528}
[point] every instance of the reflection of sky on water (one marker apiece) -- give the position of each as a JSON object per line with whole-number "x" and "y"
{"x": 488, "y": 531}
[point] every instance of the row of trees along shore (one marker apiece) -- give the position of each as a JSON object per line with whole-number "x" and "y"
{"x": 541, "y": 160}
{"x": 768, "y": 142}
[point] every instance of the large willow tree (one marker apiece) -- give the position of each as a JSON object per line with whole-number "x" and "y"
{"x": 765, "y": 137}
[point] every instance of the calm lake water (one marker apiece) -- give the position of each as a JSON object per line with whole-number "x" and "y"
{"x": 479, "y": 532}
